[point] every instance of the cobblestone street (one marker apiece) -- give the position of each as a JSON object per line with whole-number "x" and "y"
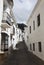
{"x": 22, "y": 57}
{"x": 21, "y": 32}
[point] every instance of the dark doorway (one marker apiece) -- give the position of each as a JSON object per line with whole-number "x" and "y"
{"x": 4, "y": 42}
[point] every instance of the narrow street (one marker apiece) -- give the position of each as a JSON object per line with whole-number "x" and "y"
{"x": 22, "y": 57}
{"x": 21, "y": 32}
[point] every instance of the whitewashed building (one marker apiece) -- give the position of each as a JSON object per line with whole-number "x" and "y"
{"x": 35, "y": 30}
{"x": 17, "y": 37}
{"x": 7, "y": 29}
{"x": 1, "y": 13}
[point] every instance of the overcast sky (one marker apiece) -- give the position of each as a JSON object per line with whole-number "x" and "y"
{"x": 22, "y": 9}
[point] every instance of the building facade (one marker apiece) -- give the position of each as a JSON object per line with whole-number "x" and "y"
{"x": 17, "y": 37}
{"x": 35, "y": 30}
{"x": 7, "y": 29}
{"x": 1, "y": 13}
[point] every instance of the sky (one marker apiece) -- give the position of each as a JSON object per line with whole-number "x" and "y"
{"x": 22, "y": 9}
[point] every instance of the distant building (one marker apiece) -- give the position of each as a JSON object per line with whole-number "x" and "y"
{"x": 17, "y": 37}
{"x": 35, "y": 30}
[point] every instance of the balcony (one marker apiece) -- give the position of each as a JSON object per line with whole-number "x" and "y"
{"x": 6, "y": 21}
{"x": 7, "y": 3}
{"x": 10, "y": 2}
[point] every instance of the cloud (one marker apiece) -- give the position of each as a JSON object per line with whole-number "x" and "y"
{"x": 23, "y": 8}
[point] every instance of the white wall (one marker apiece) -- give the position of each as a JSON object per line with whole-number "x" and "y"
{"x": 37, "y": 35}
{"x": 26, "y": 34}
{"x": 16, "y": 37}
{"x": 1, "y": 13}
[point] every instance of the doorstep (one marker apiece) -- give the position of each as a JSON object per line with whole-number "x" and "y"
{"x": 2, "y": 57}
{"x": 1, "y": 52}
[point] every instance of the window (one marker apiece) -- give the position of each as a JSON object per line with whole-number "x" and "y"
{"x": 38, "y": 20}
{"x": 4, "y": 42}
{"x": 13, "y": 30}
{"x": 33, "y": 47}
{"x": 30, "y": 29}
{"x": 30, "y": 47}
{"x": 33, "y": 25}
{"x": 39, "y": 45}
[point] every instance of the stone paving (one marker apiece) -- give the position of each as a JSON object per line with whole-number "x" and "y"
{"x": 22, "y": 57}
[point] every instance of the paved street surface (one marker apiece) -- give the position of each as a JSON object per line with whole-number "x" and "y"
{"x": 22, "y": 57}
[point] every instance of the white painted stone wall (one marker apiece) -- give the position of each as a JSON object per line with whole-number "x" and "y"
{"x": 37, "y": 34}
{"x": 1, "y": 14}
{"x": 16, "y": 37}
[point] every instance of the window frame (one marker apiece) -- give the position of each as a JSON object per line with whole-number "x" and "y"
{"x": 38, "y": 20}
{"x": 39, "y": 47}
{"x": 33, "y": 25}
{"x": 33, "y": 46}
{"x": 30, "y": 46}
{"x": 30, "y": 29}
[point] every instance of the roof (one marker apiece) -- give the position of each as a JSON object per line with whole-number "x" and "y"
{"x": 21, "y": 26}
{"x": 33, "y": 10}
